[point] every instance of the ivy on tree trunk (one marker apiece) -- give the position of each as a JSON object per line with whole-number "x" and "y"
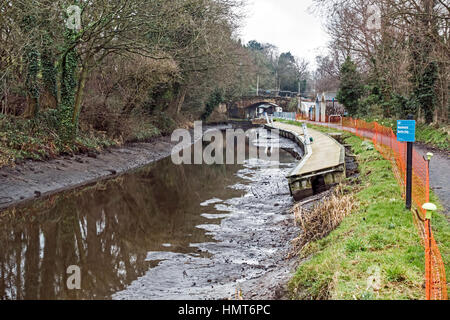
{"x": 68, "y": 85}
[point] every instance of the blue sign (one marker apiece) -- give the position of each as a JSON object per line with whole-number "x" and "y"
{"x": 406, "y": 130}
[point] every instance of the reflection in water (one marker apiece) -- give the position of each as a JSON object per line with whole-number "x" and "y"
{"x": 107, "y": 230}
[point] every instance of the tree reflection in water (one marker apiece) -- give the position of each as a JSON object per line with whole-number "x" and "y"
{"x": 107, "y": 230}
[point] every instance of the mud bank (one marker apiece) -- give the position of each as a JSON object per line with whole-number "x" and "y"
{"x": 31, "y": 180}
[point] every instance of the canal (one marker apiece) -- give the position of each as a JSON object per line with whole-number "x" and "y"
{"x": 164, "y": 231}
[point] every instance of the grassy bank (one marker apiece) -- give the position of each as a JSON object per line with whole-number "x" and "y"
{"x": 39, "y": 138}
{"x": 378, "y": 237}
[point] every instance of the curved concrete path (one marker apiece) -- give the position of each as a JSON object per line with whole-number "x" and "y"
{"x": 326, "y": 152}
{"x": 322, "y": 166}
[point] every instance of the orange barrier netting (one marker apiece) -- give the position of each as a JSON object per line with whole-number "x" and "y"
{"x": 385, "y": 141}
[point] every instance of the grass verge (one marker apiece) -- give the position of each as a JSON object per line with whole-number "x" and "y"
{"x": 378, "y": 242}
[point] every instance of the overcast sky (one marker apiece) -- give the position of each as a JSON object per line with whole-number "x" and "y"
{"x": 288, "y": 24}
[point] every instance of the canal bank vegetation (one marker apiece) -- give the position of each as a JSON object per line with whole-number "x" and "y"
{"x": 360, "y": 102}
{"x": 394, "y": 62}
{"x": 377, "y": 244}
{"x": 323, "y": 218}
{"x": 129, "y": 71}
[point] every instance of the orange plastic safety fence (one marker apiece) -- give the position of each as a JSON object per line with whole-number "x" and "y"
{"x": 385, "y": 141}
{"x": 300, "y": 116}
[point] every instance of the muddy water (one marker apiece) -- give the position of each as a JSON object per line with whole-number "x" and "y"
{"x": 161, "y": 232}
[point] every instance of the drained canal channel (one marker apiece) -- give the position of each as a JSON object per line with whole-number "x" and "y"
{"x": 164, "y": 231}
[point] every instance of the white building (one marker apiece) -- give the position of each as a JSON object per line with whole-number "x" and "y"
{"x": 306, "y": 108}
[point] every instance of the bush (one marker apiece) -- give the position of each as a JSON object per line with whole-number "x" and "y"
{"x": 164, "y": 123}
{"x": 355, "y": 245}
{"x": 396, "y": 274}
{"x": 214, "y": 101}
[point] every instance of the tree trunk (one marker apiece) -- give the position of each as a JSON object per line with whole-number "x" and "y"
{"x": 32, "y": 107}
{"x": 181, "y": 98}
{"x": 32, "y": 258}
{"x": 48, "y": 266}
{"x": 79, "y": 96}
{"x": 176, "y": 105}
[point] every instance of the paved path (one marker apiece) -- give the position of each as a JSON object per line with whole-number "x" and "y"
{"x": 439, "y": 175}
{"x": 326, "y": 152}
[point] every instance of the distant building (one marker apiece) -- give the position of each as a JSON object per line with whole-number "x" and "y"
{"x": 307, "y": 108}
